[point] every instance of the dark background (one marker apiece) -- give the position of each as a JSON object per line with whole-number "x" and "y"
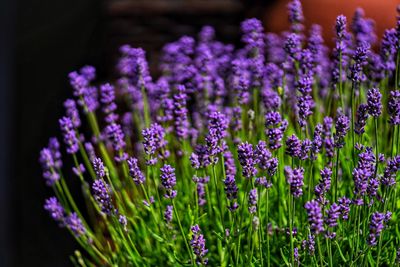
{"x": 41, "y": 41}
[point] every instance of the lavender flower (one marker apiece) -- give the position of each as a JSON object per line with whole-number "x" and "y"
{"x": 135, "y": 172}
{"x": 102, "y": 196}
{"x": 55, "y": 209}
{"x": 376, "y": 227}
{"x": 296, "y": 17}
{"x": 374, "y": 102}
{"x": 79, "y": 169}
{"x": 296, "y": 256}
{"x": 107, "y": 98}
{"x": 229, "y": 163}
{"x": 123, "y": 221}
{"x": 168, "y": 213}
{"x": 198, "y": 244}
{"x": 295, "y": 179}
{"x": 201, "y": 189}
{"x": 363, "y": 28}
{"x": 74, "y": 223}
{"x": 231, "y": 191}
{"x": 72, "y": 112}
{"x": 317, "y": 141}
{"x": 293, "y": 146}
{"x": 332, "y": 218}
{"x": 391, "y": 169}
{"x": 217, "y": 126}
{"x": 309, "y": 245}
{"x": 394, "y": 107}
{"x": 360, "y": 59}
{"x": 98, "y": 167}
{"x": 314, "y": 214}
{"x": 253, "y": 35}
{"x": 275, "y": 129}
{"x": 361, "y": 119}
{"x": 253, "y": 197}
{"x": 168, "y": 181}
{"x": 70, "y": 138}
{"x": 247, "y": 159}
{"x": 50, "y": 161}
{"x": 180, "y": 113}
{"x": 324, "y": 185}
{"x": 342, "y": 125}
{"x": 293, "y": 46}
{"x": 263, "y": 155}
{"x": 262, "y": 181}
{"x": 364, "y": 170}
{"x": 153, "y": 141}
{"x": 114, "y": 132}
{"x": 306, "y": 146}
{"x": 344, "y": 205}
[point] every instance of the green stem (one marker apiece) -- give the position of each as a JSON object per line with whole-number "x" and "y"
{"x": 183, "y": 232}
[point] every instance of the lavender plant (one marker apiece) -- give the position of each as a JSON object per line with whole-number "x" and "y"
{"x": 281, "y": 152}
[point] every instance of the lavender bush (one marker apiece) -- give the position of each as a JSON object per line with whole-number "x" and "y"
{"x": 279, "y": 153}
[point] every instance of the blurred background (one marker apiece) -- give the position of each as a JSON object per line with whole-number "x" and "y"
{"x": 42, "y": 41}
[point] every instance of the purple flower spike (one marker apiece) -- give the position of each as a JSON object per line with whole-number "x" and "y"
{"x": 154, "y": 141}
{"x": 376, "y": 227}
{"x": 314, "y": 216}
{"x": 217, "y": 126}
{"x": 55, "y": 209}
{"x": 394, "y": 107}
{"x": 114, "y": 132}
{"x": 374, "y": 102}
{"x": 309, "y": 245}
{"x": 168, "y": 214}
{"x": 74, "y": 223}
{"x": 231, "y": 191}
{"x": 293, "y": 46}
{"x": 253, "y": 34}
{"x": 98, "y": 167}
{"x": 107, "y": 98}
{"x": 247, "y": 159}
{"x": 263, "y": 155}
{"x": 201, "y": 189}
{"x": 198, "y": 244}
{"x": 363, "y": 28}
{"x": 293, "y": 146}
{"x": 333, "y": 215}
{"x": 344, "y": 204}
{"x": 295, "y": 179}
{"x": 181, "y": 122}
{"x": 342, "y": 125}
{"x": 253, "y": 197}
{"x": 72, "y": 112}
{"x": 360, "y": 59}
{"x": 70, "y": 137}
{"x": 135, "y": 172}
{"x": 50, "y": 159}
{"x": 229, "y": 162}
{"x": 168, "y": 180}
{"x": 262, "y": 181}
{"x": 361, "y": 119}
{"x": 324, "y": 186}
{"x": 296, "y": 17}
{"x": 317, "y": 141}
{"x": 391, "y": 169}
{"x": 275, "y": 128}
{"x": 102, "y": 196}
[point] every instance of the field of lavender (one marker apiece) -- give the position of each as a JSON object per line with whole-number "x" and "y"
{"x": 279, "y": 153}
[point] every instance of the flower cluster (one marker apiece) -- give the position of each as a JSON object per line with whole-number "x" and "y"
{"x": 283, "y": 151}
